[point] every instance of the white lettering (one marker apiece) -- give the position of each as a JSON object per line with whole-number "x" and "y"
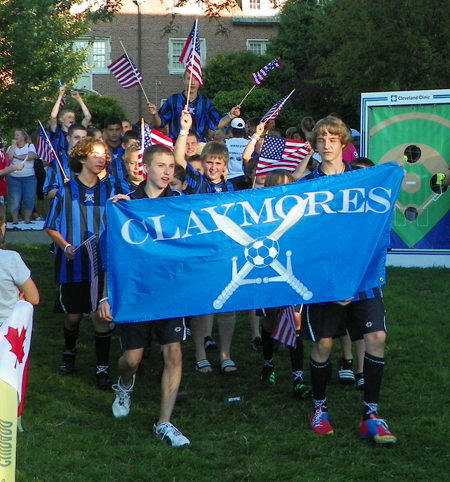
{"x": 159, "y": 231}
{"x": 279, "y": 205}
{"x": 126, "y": 231}
{"x": 211, "y": 211}
{"x": 313, "y": 202}
{"x": 347, "y": 201}
{"x": 196, "y": 224}
{"x": 379, "y": 199}
{"x": 267, "y": 206}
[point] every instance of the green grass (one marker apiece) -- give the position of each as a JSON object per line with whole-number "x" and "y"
{"x": 71, "y": 435}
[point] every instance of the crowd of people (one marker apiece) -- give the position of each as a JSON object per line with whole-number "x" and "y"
{"x": 212, "y": 153}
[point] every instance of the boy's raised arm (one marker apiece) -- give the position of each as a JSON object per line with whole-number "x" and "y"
{"x": 179, "y": 150}
{"x": 87, "y": 115}
{"x": 54, "y": 113}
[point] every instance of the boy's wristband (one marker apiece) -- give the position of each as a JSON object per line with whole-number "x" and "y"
{"x": 103, "y": 299}
{"x": 183, "y": 133}
{"x": 230, "y": 116}
{"x": 255, "y": 137}
{"x": 66, "y": 246}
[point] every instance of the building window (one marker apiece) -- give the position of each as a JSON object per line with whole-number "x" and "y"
{"x": 255, "y": 4}
{"x": 176, "y": 46}
{"x": 258, "y": 47}
{"x": 98, "y": 57}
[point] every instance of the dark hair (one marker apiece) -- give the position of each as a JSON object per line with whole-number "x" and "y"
{"x": 254, "y": 121}
{"x": 363, "y": 162}
{"x": 76, "y": 127}
{"x": 150, "y": 152}
{"x": 112, "y": 120}
{"x": 278, "y": 177}
{"x": 2, "y": 221}
{"x": 83, "y": 149}
{"x": 131, "y": 134}
{"x": 300, "y": 133}
{"x": 194, "y": 157}
{"x": 91, "y": 130}
{"x": 307, "y": 124}
{"x": 179, "y": 173}
{"x": 193, "y": 134}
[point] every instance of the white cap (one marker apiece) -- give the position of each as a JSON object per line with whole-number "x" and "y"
{"x": 238, "y": 123}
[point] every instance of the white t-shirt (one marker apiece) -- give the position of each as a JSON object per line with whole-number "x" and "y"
{"x": 13, "y": 273}
{"x": 235, "y": 147}
{"x": 28, "y": 169}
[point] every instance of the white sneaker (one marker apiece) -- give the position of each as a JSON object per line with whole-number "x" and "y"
{"x": 122, "y": 401}
{"x": 168, "y": 432}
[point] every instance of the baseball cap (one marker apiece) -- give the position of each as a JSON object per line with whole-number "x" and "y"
{"x": 238, "y": 123}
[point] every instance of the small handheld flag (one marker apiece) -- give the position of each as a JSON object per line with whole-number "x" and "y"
{"x": 259, "y": 76}
{"x": 285, "y": 331}
{"x": 280, "y": 153}
{"x": 275, "y": 110}
{"x": 191, "y": 55}
{"x": 125, "y": 72}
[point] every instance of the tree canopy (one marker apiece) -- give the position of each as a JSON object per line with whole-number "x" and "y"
{"x": 36, "y": 51}
{"x": 343, "y": 48}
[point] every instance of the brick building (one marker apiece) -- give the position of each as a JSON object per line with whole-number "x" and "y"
{"x": 141, "y": 22}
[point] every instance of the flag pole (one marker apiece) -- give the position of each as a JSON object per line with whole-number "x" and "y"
{"x": 54, "y": 153}
{"x": 248, "y": 93}
{"x": 134, "y": 72}
{"x": 191, "y": 70}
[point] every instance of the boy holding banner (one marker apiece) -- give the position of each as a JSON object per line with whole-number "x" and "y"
{"x": 214, "y": 159}
{"x": 362, "y": 314}
{"x": 159, "y": 166}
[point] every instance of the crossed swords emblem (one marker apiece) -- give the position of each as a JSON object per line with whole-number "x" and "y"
{"x": 238, "y": 278}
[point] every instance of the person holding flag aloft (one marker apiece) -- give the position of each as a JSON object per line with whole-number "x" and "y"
{"x": 201, "y": 109}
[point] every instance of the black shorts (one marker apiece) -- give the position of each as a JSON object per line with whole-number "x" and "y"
{"x": 75, "y": 298}
{"x": 331, "y": 320}
{"x": 136, "y": 335}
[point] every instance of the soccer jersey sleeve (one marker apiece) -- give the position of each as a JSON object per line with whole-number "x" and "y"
{"x": 194, "y": 180}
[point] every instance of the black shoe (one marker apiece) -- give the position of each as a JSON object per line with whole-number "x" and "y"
{"x": 360, "y": 381}
{"x": 67, "y": 363}
{"x": 346, "y": 375}
{"x": 256, "y": 344}
{"x": 210, "y": 344}
{"x": 300, "y": 390}
{"x": 268, "y": 375}
{"x": 104, "y": 383}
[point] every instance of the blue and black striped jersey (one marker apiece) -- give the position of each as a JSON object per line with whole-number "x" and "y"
{"x": 202, "y": 111}
{"x": 116, "y": 167}
{"x": 54, "y": 178}
{"x": 198, "y": 184}
{"x": 77, "y": 212}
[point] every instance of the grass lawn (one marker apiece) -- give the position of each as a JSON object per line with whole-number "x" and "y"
{"x": 71, "y": 435}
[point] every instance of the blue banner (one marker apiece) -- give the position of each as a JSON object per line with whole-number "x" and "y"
{"x": 321, "y": 240}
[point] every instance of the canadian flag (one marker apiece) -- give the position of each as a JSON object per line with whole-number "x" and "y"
{"x": 15, "y": 341}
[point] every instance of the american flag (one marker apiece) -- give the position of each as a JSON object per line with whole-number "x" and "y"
{"x": 91, "y": 247}
{"x": 273, "y": 112}
{"x": 43, "y": 147}
{"x": 63, "y": 98}
{"x": 285, "y": 331}
{"x": 150, "y": 137}
{"x": 259, "y": 76}
{"x": 125, "y": 72}
{"x": 280, "y": 153}
{"x": 191, "y": 55}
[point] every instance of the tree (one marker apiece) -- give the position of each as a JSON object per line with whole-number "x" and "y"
{"x": 383, "y": 45}
{"x": 36, "y": 51}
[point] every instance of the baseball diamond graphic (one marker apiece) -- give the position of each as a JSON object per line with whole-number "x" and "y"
{"x": 419, "y": 137}
{"x": 260, "y": 253}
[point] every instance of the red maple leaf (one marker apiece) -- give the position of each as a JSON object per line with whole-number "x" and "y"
{"x": 16, "y": 342}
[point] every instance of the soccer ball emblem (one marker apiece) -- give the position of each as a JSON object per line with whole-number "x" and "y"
{"x": 262, "y": 252}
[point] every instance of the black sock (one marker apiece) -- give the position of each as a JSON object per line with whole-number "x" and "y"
{"x": 320, "y": 376}
{"x": 70, "y": 339}
{"x": 296, "y": 355}
{"x": 267, "y": 344}
{"x": 373, "y": 375}
{"x": 102, "y": 344}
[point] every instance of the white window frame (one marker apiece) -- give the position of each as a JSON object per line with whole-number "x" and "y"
{"x": 90, "y": 43}
{"x": 262, "y": 42}
{"x": 266, "y": 8}
{"x": 176, "y": 46}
